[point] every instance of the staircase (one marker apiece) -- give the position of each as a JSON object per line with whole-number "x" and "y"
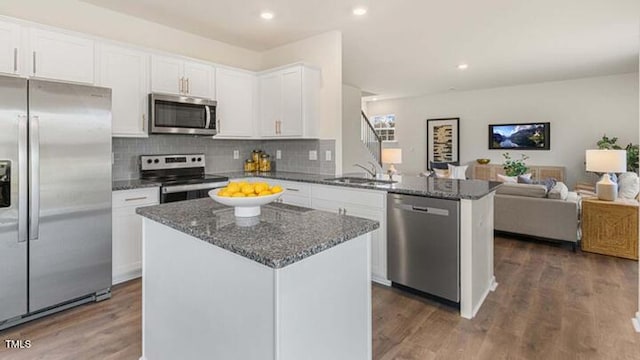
{"x": 370, "y": 138}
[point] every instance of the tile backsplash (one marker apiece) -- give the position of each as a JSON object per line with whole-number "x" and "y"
{"x": 219, "y": 153}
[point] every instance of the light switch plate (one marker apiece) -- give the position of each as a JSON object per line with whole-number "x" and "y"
{"x": 327, "y": 155}
{"x": 236, "y": 154}
{"x": 278, "y": 154}
{"x": 313, "y": 155}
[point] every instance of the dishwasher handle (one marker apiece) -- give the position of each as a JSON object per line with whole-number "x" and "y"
{"x": 423, "y": 209}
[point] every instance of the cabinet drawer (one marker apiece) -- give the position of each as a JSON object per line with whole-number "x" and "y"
{"x": 293, "y": 187}
{"x": 135, "y": 197}
{"x": 367, "y": 198}
{"x": 303, "y": 201}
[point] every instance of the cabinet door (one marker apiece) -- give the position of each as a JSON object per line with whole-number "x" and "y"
{"x": 378, "y": 240}
{"x": 127, "y": 244}
{"x": 59, "y": 56}
{"x": 270, "y": 90}
{"x": 167, "y": 75}
{"x": 291, "y": 102}
{"x": 9, "y": 48}
{"x": 234, "y": 93}
{"x": 198, "y": 79}
{"x": 126, "y": 72}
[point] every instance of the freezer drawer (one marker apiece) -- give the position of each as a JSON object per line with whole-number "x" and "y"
{"x": 424, "y": 244}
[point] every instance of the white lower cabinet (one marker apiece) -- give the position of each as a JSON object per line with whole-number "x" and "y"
{"x": 368, "y": 204}
{"x": 127, "y": 232}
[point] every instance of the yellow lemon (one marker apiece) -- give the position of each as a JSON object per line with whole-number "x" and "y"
{"x": 238, "y": 194}
{"x": 233, "y": 188}
{"x": 265, "y": 193}
{"x": 276, "y": 189}
{"x": 223, "y": 192}
{"x": 242, "y": 184}
{"x": 252, "y": 195}
{"x": 247, "y": 189}
{"x": 260, "y": 187}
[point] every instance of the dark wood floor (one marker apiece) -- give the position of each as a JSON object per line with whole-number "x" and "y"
{"x": 551, "y": 304}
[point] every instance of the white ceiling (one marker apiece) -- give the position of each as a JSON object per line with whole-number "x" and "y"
{"x": 412, "y": 47}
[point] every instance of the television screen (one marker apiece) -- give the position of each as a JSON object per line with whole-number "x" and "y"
{"x": 531, "y": 136}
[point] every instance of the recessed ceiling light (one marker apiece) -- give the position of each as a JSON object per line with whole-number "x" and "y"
{"x": 463, "y": 66}
{"x": 267, "y": 15}
{"x": 374, "y": 99}
{"x": 359, "y": 11}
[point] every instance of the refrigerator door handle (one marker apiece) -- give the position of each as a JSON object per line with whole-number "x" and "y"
{"x": 22, "y": 178}
{"x": 34, "y": 178}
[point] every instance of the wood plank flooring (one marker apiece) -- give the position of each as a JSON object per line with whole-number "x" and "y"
{"x": 551, "y": 304}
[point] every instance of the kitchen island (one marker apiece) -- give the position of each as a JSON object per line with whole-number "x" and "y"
{"x": 291, "y": 284}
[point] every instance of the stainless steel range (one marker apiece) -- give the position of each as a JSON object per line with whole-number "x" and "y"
{"x": 182, "y": 176}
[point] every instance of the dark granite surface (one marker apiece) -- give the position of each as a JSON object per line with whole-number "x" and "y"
{"x": 132, "y": 184}
{"x": 283, "y": 235}
{"x": 408, "y": 185}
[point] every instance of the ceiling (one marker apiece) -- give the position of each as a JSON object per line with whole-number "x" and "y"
{"x": 413, "y": 47}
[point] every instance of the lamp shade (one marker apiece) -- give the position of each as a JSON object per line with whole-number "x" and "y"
{"x": 607, "y": 161}
{"x": 392, "y": 156}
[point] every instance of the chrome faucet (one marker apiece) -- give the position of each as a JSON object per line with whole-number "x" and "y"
{"x": 372, "y": 172}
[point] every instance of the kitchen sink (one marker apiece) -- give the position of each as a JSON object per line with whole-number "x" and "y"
{"x": 360, "y": 181}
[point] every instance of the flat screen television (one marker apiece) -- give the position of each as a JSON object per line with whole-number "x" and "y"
{"x": 529, "y": 136}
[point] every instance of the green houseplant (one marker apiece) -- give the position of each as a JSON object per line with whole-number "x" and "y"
{"x": 632, "y": 151}
{"x": 514, "y": 167}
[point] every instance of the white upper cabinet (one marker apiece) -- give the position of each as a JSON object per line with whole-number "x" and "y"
{"x": 10, "y": 54}
{"x": 60, "y": 56}
{"x": 171, "y": 75}
{"x": 289, "y": 102}
{"x": 126, "y": 72}
{"x": 235, "y": 109}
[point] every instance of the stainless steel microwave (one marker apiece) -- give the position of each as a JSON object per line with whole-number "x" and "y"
{"x": 175, "y": 114}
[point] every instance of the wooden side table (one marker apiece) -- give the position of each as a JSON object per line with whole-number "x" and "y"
{"x": 610, "y": 227}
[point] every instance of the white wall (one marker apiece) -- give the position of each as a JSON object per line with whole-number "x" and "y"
{"x": 324, "y": 51}
{"x": 90, "y": 19}
{"x": 580, "y": 112}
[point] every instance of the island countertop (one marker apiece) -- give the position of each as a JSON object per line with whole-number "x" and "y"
{"x": 408, "y": 185}
{"x": 282, "y": 235}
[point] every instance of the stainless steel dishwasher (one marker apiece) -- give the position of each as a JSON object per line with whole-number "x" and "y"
{"x": 423, "y": 250}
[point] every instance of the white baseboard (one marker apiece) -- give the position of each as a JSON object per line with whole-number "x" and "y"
{"x": 380, "y": 281}
{"x": 494, "y": 284}
{"x": 130, "y": 275}
{"x": 636, "y": 322}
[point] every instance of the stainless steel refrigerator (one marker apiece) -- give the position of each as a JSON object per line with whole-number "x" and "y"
{"x": 55, "y": 197}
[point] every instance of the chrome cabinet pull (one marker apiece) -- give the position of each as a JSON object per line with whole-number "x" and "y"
{"x": 15, "y": 59}
{"x": 290, "y": 189}
{"x": 180, "y": 85}
{"x": 136, "y": 198}
{"x": 144, "y": 118}
{"x": 34, "y": 63}
{"x": 188, "y": 86}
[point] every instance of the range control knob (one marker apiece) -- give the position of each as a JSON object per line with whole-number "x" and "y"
{"x": 156, "y": 161}
{"x": 193, "y": 159}
{"x": 199, "y": 159}
{"x": 149, "y": 161}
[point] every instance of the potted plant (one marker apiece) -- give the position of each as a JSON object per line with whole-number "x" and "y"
{"x": 514, "y": 167}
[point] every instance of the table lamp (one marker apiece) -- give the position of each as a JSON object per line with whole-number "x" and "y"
{"x": 392, "y": 157}
{"x": 605, "y": 162}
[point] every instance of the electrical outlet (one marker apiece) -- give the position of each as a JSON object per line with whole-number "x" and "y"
{"x": 278, "y": 154}
{"x": 236, "y": 154}
{"x": 327, "y": 155}
{"x": 313, "y": 155}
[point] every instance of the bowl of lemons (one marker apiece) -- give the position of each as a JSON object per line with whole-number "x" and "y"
{"x": 246, "y": 197}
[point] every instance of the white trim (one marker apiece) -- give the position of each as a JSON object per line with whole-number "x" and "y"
{"x": 129, "y": 275}
{"x": 636, "y": 322}
{"x": 494, "y": 284}
{"x": 381, "y": 281}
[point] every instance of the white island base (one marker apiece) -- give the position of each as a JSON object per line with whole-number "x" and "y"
{"x": 203, "y": 302}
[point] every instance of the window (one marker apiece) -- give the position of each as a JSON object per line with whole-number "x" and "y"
{"x": 385, "y": 126}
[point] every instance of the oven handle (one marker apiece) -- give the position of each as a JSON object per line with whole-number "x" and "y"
{"x": 207, "y": 111}
{"x": 191, "y": 187}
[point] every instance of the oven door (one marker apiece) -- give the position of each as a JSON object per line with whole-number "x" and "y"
{"x": 170, "y": 114}
{"x": 188, "y": 192}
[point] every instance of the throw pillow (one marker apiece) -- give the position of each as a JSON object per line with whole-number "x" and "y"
{"x": 458, "y": 172}
{"x": 549, "y": 183}
{"x": 560, "y": 191}
{"x": 628, "y": 185}
{"x": 528, "y": 190}
{"x": 442, "y": 165}
{"x": 525, "y": 179}
{"x": 441, "y": 173}
{"x": 507, "y": 179}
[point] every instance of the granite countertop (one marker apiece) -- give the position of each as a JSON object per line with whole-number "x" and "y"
{"x": 281, "y": 236}
{"x": 408, "y": 185}
{"x": 132, "y": 184}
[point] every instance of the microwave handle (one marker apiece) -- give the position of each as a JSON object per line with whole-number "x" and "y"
{"x": 207, "y": 111}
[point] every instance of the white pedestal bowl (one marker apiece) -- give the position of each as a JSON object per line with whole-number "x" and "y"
{"x": 245, "y": 206}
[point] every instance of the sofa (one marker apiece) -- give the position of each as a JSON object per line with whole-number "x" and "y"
{"x": 537, "y": 211}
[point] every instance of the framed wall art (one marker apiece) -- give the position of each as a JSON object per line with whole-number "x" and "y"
{"x": 443, "y": 141}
